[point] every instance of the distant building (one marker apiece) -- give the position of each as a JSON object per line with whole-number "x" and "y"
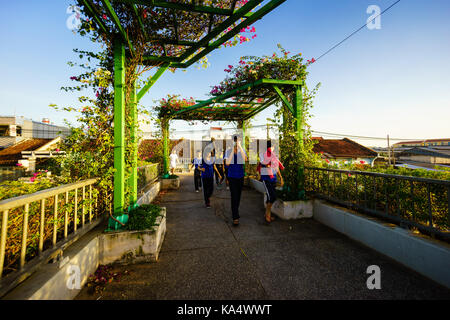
{"x": 425, "y": 155}
{"x": 423, "y": 143}
{"x": 345, "y": 150}
{"x": 26, "y": 152}
{"x": 14, "y": 129}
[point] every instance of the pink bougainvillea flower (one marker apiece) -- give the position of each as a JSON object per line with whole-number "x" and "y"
{"x": 32, "y": 179}
{"x": 18, "y": 164}
{"x": 57, "y": 150}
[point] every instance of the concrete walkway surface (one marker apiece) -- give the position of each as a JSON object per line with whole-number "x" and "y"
{"x": 204, "y": 257}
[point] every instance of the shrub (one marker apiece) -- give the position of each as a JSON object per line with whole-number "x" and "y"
{"x": 143, "y": 217}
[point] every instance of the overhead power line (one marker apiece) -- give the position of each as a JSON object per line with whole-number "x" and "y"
{"x": 356, "y": 31}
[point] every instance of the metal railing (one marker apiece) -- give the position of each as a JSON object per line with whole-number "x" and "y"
{"x": 36, "y": 227}
{"x": 412, "y": 202}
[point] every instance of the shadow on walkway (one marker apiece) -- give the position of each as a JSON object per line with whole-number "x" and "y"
{"x": 204, "y": 257}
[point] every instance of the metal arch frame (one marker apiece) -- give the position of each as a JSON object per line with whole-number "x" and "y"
{"x": 196, "y": 50}
{"x": 274, "y": 94}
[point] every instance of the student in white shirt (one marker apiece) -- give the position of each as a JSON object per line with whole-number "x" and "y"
{"x": 173, "y": 161}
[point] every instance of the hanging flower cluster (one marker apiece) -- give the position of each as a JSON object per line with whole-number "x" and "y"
{"x": 218, "y": 112}
{"x": 173, "y": 103}
{"x": 251, "y": 69}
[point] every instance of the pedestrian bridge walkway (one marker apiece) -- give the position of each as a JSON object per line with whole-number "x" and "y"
{"x": 204, "y": 257}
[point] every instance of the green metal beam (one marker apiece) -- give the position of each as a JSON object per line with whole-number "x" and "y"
{"x": 151, "y": 81}
{"x": 132, "y": 182}
{"x": 298, "y": 108}
{"x": 112, "y": 14}
{"x": 238, "y": 14}
{"x": 90, "y": 7}
{"x": 283, "y": 82}
{"x": 159, "y": 59}
{"x": 141, "y": 24}
{"x": 174, "y": 42}
{"x": 219, "y": 98}
{"x": 235, "y": 102}
{"x": 165, "y": 136}
{"x": 119, "y": 126}
{"x": 254, "y": 17}
{"x": 284, "y": 99}
{"x": 261, "y": 108}
{"x": 182, "y": 6}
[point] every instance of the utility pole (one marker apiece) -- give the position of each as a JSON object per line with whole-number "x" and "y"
{"x": 389, "y": 150}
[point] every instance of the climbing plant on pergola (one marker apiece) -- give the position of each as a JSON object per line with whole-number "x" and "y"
{"x": 178, "y": 34}
{"x": 239, "y": 104}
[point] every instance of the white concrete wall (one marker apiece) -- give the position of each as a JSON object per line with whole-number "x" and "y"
{"x": 50, "y": 281}
{"x": 429, "y": 257}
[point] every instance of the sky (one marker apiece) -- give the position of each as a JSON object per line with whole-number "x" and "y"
{"x": 392, "y": 81}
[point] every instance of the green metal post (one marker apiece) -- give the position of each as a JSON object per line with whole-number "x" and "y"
{"x": 132, "y": 182}
{"x": 165, "y": 134}
{"x": 298, "y": 114}
{"x": 241, "y": 125}
{"x": 119, "y": 126}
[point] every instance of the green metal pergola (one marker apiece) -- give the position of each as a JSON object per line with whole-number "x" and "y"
{"x": 241, "y": 104}
{"x": 175, "y": 51}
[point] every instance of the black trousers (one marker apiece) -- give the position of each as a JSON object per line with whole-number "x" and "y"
{"x": 197, "y": 179}
{"x": 270, "y": 191}
{"x": 208, "y": 189}
{"x": 236, "y": 191}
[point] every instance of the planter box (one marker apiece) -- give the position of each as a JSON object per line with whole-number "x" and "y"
{"x": 126, "y": 247}
{"x": 287, "y": 210}
{"x": 257, "y": 185}
{"x": 170, "y": 184}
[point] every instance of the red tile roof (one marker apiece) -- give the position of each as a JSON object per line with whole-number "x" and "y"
{"x": 342, "y": 148}
{"x": 12, "y": 154}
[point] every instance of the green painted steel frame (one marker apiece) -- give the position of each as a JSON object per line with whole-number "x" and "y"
{"x": 277, "y": 95}
{"x": 195, "y": 51}
{"x": 239, "y": 94}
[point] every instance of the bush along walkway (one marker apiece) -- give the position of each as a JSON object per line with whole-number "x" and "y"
{"x": 204, "y": 257}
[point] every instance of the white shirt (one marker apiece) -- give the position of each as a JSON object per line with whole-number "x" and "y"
{"x": 173, "y": 159}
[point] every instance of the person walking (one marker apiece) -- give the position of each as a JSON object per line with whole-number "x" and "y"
{"x": 173, "y": 161}
{"x": 196, "y": 162}
{"x": 268, "y": 169}
{"x": 225, "y": 169}
{"x": 219, "y": 175}
{"x": 207, "y": 168}
{"x": 235, "y": 160}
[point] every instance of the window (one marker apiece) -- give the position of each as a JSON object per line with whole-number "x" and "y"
{"x": 4, "y": 131}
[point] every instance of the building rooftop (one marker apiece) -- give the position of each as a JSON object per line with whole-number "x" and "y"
{"x": 423, "y": 141}
{"x": 12, "y": 154}
{"x": 342, "y": 148}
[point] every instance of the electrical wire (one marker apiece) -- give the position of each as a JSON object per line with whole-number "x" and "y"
{"x": 356, "y": 31}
